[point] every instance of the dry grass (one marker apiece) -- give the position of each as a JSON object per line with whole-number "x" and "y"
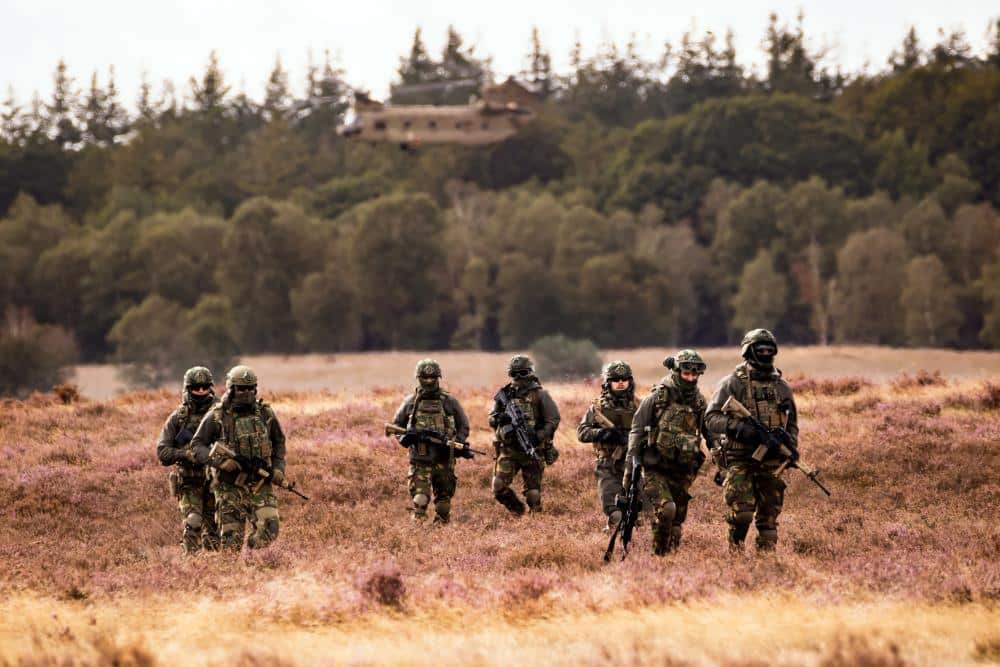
{"x": 898, "y": 568}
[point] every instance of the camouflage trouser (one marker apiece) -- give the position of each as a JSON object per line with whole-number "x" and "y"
{"x": 197, "y": 505}
{"x": 753, "y": 493}
{"x": 432, "y": 480}
{"x": 609, "y": 475}
{"x": 667, "y": 492}
{"x": 235, "y": 505}
{"x": 508, "y": 463}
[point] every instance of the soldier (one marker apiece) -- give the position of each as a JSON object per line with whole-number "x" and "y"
{"x": 541, "y": 419}
{"x": 606, "y": 425}
{"x": 668, "y": 427}
{"x": 432, "y": 464}
{"x": 248, "y": 427}
{"x": 752, "y": 491}
{"x": 188, "y": 481}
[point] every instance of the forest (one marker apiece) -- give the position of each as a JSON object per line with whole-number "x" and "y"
{"x": 671, "y": 202}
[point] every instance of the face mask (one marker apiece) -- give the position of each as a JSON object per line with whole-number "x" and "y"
{"x": 201, "y": 401}
{"x": 243, "y": 400}
{"x": 429, "y": 385}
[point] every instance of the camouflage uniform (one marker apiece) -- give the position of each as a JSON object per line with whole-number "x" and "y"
{"x": 188, "y": 481}
{"x": 542, "y": 418}
{"x": 752, "y": 491}
{"x": 610, "y": 444}
{"x": 432, "y": 466}
{"x": 250, "y": 429}
{"x": 674, "y": 412}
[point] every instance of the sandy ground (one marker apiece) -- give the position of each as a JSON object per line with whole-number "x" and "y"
{"x": 313, "y": 372}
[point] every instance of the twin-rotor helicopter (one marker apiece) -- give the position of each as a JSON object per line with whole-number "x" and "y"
{"x": 500, "y": 113}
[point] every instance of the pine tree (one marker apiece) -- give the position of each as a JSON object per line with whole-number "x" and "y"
{"x": 910, "y": 55}
{"x": 63, "y": 107}
{"x": 116, "y": 119}
{"x": 209, "y": 94}
{"x": 147, "y": 108}
{"x": 11, "y": 121}
{"x": 539, "y": 70}
{"x": 418, "y": 66}
{"x": 93, "y": 113}
{"x": 277, "y": 98}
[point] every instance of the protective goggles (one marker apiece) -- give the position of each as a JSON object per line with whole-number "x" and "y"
{"x": 692, "y": 367}
{"x": 619, "y": 379}
{"x": 250, "y": 388}
{"x": 765, "y": 349}
{"x": 199, "y": 387}
{"x": 523, "y": 373}
{"x": 427, "y": 378}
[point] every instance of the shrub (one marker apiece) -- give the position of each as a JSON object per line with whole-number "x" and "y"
{"x": 921, "y": 379}
{"x": 383, "y": 584}
{"x": 829, "y": 387}
{"x": 561, "y": 358}
{"x": 33, "y": 357}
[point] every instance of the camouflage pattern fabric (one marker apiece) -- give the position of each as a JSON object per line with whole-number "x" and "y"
{"x": 609, "y": 475}
{"x": 666, "y": 491}
{"x": 749, "y": 487}
{"x": 236, "y": 505}
{"x": 508, "y": 463}
{"x": 197, "y": 505}
{"x": 434, "y": 480}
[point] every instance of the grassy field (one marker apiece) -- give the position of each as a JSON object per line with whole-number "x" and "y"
{"x": 898, "y": 568}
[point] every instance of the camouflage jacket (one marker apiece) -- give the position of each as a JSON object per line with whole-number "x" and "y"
{"x": 618, "y": 413}
{"x": 185, "y": 416}
{"x": 651, "y": 412}
{"x": 545, "y": 413}
{"x": 211, "y": 429}
{"x": 765, "y": 394}
{"x": 456, "y": 425}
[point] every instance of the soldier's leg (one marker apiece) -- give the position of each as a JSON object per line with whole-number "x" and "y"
{"x": 770, "y": 495}
{"x": 679, "y": 490}
{"x": 209, "y": 529}
{"x": 192, "y": 516}
{"x": 444, "y": 483}
{"x": 230, "y": 514}
{"x": 504, "y": 470}
{"x": 609, "y": 485}
{"x": 738, "y": 493}
{"x": 531, "y": 475}
{"x": 419, "y": 486}
{"x": 264, "y": 518}
{"x": 657, "y": 490}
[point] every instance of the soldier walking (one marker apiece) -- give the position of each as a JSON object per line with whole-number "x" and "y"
{"x": 524, "y": 447}
{"x": 431, "y": 417}
{"x": 606, "y": 425}
{"x": 753, "y": 492}
{"x": 250, "y": 430}
{"x": 666, "y": 436}
{"x": 188, "y": 481}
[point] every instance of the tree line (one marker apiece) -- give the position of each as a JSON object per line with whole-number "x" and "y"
{"x": 668, "y": 202}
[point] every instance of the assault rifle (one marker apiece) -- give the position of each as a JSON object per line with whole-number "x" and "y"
{"x": 250, "y": 468}
{"x": 412, "y": 437}
{"x": 524, "y": 437}
{"x": 773, "y": 441}
{"x": 630, "y": 505}
{"x": 606, "y": 423}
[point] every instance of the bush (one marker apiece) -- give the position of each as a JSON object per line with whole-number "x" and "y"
{"x": 561, "y": 358}
{"x": 33, "y": 357}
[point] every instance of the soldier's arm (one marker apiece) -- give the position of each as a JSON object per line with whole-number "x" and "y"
{"x": 403, "y": 412}
{"x": 643, "y": 418}
{"x": 461, "y": 421}
{"x": 165, "y": 450}
{"x": 792, "y": 416}
{"x": 277, "y": 441}
{"x": 719, "y": 423}
{"x": 550, "y": 414}
{"x": 208, "y": 432}
{"x": 495, "y": 412}
{"x": 588, "y": 428}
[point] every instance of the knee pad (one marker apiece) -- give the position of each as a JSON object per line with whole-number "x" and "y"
{"x": 442, "y": 507}
{"x": 420, "y": 501}
{"x": 193, "y": 521}
{"x": 499, "y": 484}
{"x": 533, "y": 497}
{"x": 614, "y": 519}
{"x": 741, "y": 517}
{"x": 666, "y": 512}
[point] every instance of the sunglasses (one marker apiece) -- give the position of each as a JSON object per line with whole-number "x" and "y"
{"x": 429, "y": 378}
{"x": 619, "y": 379}
{"x": 692, "y": 367}
{"x": 199, "y": 387}
{"x": 245, "y": 388}
{"x": 520, "y": 374}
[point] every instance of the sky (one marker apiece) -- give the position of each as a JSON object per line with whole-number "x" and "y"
{"x": 172, "y": 39}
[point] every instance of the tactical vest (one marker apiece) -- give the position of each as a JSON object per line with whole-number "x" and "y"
{"x": 248, "y": 434}
{"x": 429, "y": 413}
{"x": 761, "y": 397}
{"x": 619, "y": 415}
{"x": 678, "y": 427}
{"x": 189, "y": 418}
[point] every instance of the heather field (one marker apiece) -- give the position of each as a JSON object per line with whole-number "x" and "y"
{"x": 898, "y": 568}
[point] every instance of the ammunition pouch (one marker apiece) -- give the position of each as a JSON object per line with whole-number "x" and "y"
{"x": 174, "y": 484}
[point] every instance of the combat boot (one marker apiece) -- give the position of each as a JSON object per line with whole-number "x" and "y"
{"x": 675, "y": 538}
{"x": 534, "y": 499}
{"x": 661, "y": 542}
{"x": 767, "y": 539}
{"x": 509, "y": 499}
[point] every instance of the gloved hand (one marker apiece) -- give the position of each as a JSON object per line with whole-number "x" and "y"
{"x": 463, "y": 452}
{"x": 747, "y": 433}
{"x": 621, "y": 502}
{"x": 617, "y": 437}
{"x": 229, "y": 465}
{"x": 277, "y": 477}
{"x": 503, "y": 419}
{"x": 605, "y": 435}
{"x": 551, "y": 455}
{"x": 183, "y": 455}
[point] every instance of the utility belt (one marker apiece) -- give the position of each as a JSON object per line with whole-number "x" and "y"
{"x": 673, "y": 459}
{"x": 427, "y": 452}
{"x": 182, "y": 477}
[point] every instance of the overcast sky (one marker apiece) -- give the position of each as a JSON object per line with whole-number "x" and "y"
{"x": 171, "y": 39}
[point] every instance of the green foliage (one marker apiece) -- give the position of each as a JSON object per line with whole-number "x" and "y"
{"x": 33, "y": 356}
{"x": 929, "y": 304}
{"x": 760, "y": 300}
{"x": 990, "y": 283}
{"x": 870, "y": 269}
{"x": 560, "y": 358}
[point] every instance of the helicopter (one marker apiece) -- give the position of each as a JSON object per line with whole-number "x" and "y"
{"x": 501, "y": 112}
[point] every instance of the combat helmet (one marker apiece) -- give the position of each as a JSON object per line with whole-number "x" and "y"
{"x": 241, "y": 376}
{"x": 691, "y": 361}
{"x": 520, "y": 363}
{"x": 755, "y": 337}
{"x": 197, "y": 375}
{"x": 616, "y": 370}
{"x": 428, "y": 368}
